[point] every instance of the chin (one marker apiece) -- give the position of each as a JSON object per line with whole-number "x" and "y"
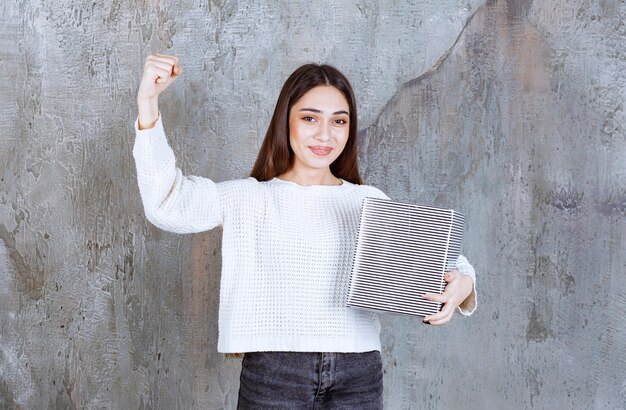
{"x": 320, "y": 165}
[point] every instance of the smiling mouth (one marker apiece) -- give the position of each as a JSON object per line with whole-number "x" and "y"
{"x": 321, "y": 151}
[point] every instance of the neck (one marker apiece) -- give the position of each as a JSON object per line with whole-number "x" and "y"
{"x": 311, "y": 177}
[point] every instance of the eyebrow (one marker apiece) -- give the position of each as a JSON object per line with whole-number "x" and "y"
{"x": 319, "y": 111}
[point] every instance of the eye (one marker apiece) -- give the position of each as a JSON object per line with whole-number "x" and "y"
{"x": 341, "y": 121}
{"x": 308, "y": 118}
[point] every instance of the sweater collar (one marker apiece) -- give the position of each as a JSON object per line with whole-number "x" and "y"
{"x": 314, "y": 189}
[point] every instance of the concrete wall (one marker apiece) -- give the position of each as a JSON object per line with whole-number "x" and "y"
{"x": 511, "y": 112}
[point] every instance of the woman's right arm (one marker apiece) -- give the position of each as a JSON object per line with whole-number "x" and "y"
{"x": 171, "y": 201}
{"x": 159, "y": 72}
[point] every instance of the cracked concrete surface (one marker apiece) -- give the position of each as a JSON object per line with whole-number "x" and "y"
{"x": 509, "y": 111}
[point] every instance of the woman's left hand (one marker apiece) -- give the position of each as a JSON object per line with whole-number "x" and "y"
{"x": 458, "y": 288}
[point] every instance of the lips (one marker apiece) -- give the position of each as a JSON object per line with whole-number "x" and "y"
{"x": 320, "y": 150}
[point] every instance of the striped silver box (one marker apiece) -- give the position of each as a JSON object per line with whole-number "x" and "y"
{"x": 402, "y": 252}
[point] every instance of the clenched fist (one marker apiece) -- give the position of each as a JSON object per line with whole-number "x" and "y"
{"x": 159, "y": 72}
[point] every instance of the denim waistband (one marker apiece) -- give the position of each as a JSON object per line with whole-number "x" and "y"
{"x": 298, "y": 380}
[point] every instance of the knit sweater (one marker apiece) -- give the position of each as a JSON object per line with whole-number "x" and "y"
{"x": 287, "y": 252}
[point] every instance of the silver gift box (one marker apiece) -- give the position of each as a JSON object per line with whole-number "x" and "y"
{"x": 403, "y": 251}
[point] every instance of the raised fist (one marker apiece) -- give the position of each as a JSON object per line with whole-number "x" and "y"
{"x": 159, "y": 72}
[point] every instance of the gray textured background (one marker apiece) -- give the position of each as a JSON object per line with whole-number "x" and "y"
{"x": 512, "y": 112}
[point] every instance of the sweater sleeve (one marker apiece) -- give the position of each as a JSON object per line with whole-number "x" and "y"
{"x": 173, "y": 202}
{"x": 376, "y": 193}
{"x": 465, "y": 268}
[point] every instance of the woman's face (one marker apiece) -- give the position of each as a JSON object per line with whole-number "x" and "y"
{"x": 318, "y": 128}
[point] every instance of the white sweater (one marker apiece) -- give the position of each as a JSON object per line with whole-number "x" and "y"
{"x": 286, "y": 252}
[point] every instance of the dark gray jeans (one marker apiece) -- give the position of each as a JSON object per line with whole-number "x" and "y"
{"x": 293, "y": 380}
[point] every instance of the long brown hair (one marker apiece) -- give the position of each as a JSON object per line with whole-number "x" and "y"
{"x": 276, "y": 156}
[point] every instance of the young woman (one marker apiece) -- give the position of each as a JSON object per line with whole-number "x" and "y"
{"x": 288, "y": 236}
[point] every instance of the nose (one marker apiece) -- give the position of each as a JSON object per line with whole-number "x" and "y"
{"x": 324, "y": 133}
